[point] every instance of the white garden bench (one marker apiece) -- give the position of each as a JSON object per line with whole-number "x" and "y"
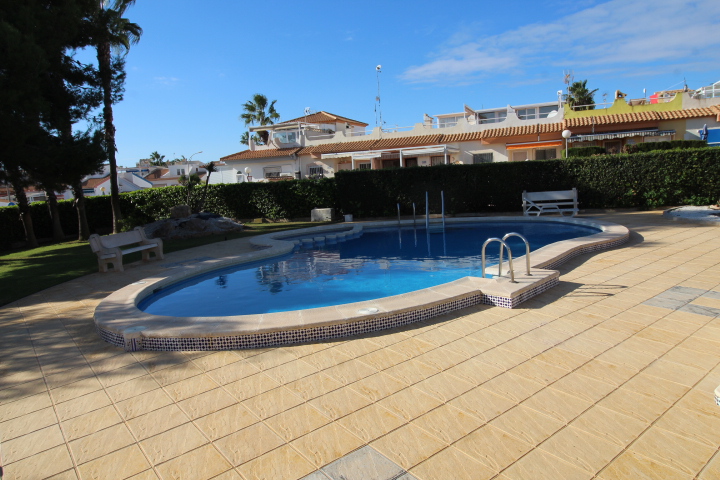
{"x": 560, "y": 201}
{"x": 107, "y": 248}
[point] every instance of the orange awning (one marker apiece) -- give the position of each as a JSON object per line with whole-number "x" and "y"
{"x": 518, "y": 146}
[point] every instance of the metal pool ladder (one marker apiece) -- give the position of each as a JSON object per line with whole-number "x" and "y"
{"x": 504, "y": 245}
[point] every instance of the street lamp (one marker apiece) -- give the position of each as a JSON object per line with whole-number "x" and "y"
{"x": 566, "y": 134}
{"x": 189, "y": 159}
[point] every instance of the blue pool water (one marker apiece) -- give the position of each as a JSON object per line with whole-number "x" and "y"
{"x": 380, "y": 263}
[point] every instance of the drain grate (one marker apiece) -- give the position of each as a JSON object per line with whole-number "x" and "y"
{"x": 365, "y": 463}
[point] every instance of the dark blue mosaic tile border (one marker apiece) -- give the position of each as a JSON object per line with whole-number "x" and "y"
{"x": 285, "y": 337}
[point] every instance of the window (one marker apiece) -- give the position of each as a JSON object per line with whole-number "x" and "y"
{"x": 391, "y": 163}
{"x": 613, "y": 147}
{"x": 527, "y": 113}
{"x": 545, "y": 154}
{"x": 180, "y": 171}
{"x": 545, "y": 111}
{"x": 410, "y": 162}
{"x": 285, "y": 137}
{"x": 88, "y": 191}
{"x": 492, "y": 117}
{"x": 445, "y": 122}
{"x": 271, "y": 172}
{"x": 437, "y": 160}
{"x": 482, "y": 157}
{"x": 316, "y": 170}
{"x": 364, "y": 166}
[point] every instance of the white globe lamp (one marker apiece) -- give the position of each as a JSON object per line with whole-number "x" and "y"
{"x": 566, "y": 134}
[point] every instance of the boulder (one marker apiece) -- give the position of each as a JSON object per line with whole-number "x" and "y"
{"x": 196, "y": 225}
{"x": 180, "y": 211}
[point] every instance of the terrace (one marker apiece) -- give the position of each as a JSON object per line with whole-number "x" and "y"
{"x": 609, "y": 375}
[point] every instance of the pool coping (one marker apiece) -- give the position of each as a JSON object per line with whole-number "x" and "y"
{"x": 121, "y": 323}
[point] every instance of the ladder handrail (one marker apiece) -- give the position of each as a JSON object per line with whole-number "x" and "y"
{"x": 527, "y": 249}
{"x": 502, "y": 243}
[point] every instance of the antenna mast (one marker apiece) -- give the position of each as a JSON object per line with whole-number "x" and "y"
{"x": 569, "y": 76}
{"x": 378, "y": 109}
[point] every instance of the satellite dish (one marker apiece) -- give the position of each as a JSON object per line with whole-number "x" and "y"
{"x": 378, "y": 68}
{"x": 307, "y": 111}
{"x": 552, "y": 114}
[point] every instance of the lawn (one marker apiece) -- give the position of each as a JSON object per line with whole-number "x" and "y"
{"x": 25, "y": 272}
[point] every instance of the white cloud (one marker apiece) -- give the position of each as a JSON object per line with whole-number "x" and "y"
{"x": 169, "y": 81}
{"x": 622, "y": 34}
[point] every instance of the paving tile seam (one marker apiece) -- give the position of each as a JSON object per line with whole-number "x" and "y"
{"x": 124, "y": 423}
{"x": 652, "y": 424}
{"x": 191, "y": 421}
{"x": 668, "y": 352}
{"x": 71, "y": 454}
{"x": 591, "y": 406}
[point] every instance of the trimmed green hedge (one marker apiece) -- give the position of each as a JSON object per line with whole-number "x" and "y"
{"x": 276, "y": 200}
{"x": 666, "y": 177}
{"x": 584, "y": 151}
{"x": 670, "y": 145}
{"x": 672, "y": 177}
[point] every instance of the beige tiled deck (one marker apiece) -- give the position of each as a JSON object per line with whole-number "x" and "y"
{"x": 584, "y": 381}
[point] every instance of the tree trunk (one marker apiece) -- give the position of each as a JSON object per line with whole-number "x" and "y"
{"x": 83, "y": 227}
{"x": 105, "y": 70}
{"x": 25, "y": 215}
{"x": 58, "y": 235}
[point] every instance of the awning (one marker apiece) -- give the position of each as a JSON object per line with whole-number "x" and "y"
{"x": 612, "y": 135}
{"x": 370, "y": 154}
{"x": 518, "y": 146}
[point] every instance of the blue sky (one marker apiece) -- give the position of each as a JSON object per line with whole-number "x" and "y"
{"x": 199, "y": 61}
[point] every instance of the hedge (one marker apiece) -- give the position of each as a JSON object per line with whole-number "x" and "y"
{"x": 670, "y": 177}
{"x": 584, "y": 151}
{"x": 666, "y": 177}
{"x": 276, "y": 200}
{"x": 669, "y": 145}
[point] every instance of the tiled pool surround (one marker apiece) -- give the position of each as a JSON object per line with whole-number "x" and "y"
{"x": 121, "y": 323}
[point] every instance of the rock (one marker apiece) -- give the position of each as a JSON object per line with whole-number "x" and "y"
{"x": 196, "y": 225}
{"x": 180, "y": 211}
{"x": 207, "y": 215}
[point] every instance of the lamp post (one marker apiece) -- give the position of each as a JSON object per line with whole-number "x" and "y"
{"x": 189, "y": 159}
{"x": 566, "y": 134}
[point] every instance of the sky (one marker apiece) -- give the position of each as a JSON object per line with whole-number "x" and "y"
{"x": 197, "y": 62}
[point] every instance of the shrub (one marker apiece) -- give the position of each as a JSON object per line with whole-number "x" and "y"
{"x": 584, "y": 151}
{"x": 671, "y": 145}
{"x": 648, "y": 179}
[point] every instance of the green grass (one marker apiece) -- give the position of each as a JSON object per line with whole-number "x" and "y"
{"x": 25, "y": 272}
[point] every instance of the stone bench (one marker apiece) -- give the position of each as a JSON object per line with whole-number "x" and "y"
{"x": 108, "y": 248}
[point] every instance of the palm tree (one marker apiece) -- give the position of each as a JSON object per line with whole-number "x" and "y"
{"x": 157, "y": 160}
{"x": 579, "y": 96}
{"x": 210, "y": 168}
{"x": 112, "y": 32}
{"x": 259, "y": 111}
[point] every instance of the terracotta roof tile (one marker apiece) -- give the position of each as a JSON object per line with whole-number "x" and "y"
{"x": 250, "y": 154}
{"x": 550, "y": 127}
{"x": 408, "y": 141}
{"x": 613, "y": 119}
{"x": 339, "y": 147}
{"x": 691, "y": 113}
{"x": 462, "y": 137}
{"x": 155, "y": 174}
{"x": 511, "y": 131}
{"x": 324, "y": 117}
{"x": 94, "y": 182}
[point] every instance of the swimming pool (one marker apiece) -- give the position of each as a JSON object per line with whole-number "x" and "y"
{"x": 382, "y": 262}
{"x": 120, "y": 322}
